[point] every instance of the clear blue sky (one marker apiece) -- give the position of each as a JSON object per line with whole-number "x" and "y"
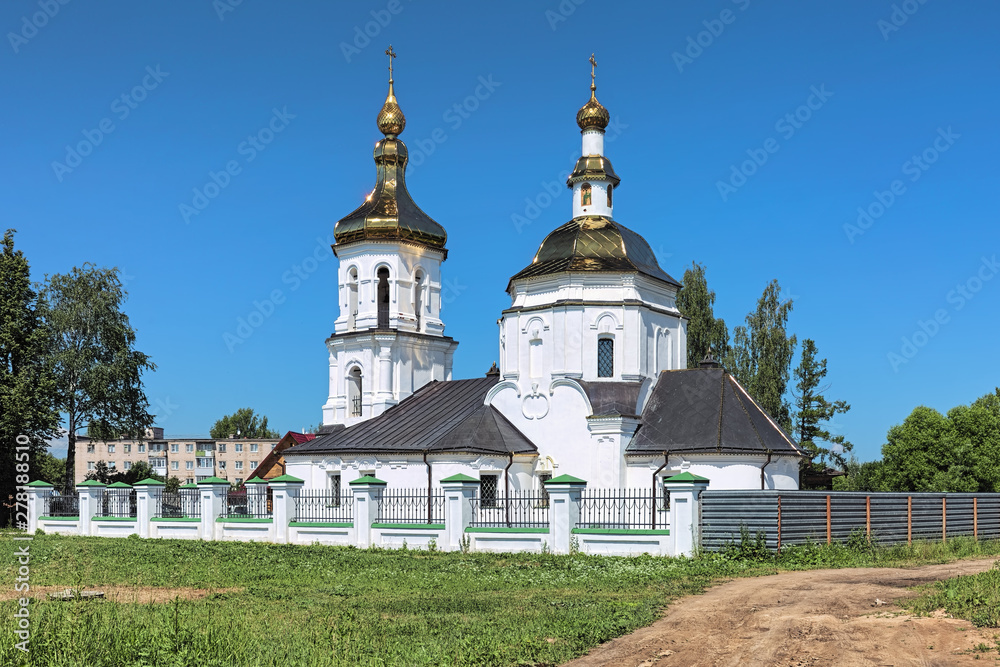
{"x": 212, "y": 79}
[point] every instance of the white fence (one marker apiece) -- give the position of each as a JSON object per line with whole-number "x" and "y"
{"x": 452, "y": 517}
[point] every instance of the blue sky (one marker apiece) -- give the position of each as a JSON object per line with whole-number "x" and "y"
{"x": 893, "y": 111}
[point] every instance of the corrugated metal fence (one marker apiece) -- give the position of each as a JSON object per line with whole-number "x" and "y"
{"x": 797, "y": 517}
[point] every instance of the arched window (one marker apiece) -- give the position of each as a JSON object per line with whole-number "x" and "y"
{"x": 605, "y": 357}
{"x": 609, "y": 194}
{"x": 352, "y": 298}
{"x": 418, "y": 286}
{"x": 354, "y": 392}
{"x": 585, "y": 194}
{"x": 383, "y": 298}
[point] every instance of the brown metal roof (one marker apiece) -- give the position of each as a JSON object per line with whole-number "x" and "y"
{"x": 439, "y": 417}
{"x": 705, "y": 410}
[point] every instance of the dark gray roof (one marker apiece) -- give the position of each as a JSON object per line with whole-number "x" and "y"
{"x": 613, "y": 398}
{"x": 705, "y": 410}
{"x": 439, "y": 417}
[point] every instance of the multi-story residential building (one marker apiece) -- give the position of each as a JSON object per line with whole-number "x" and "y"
{"x": 189, "y": 459}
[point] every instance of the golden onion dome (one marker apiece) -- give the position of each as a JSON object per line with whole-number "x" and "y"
{"x": 592, "y": 115}
{"x": 391, "y": 120}
{"x": 593, "y": 244}
{"x": 388, "y": 212}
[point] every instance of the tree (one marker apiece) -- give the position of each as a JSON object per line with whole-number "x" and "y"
{"x": 705, "y": 332}
{"x": 47, "y": 467}
{"x": 867, "y": 476}
{"x": 921, "y": 454}
{"x": 98, "y": 369}
{"x": 244, "y": 423}
{"x": 813, "y": 410}
{"x": 28, "y": 413}
{"x": 139, "y": 471}
{"x": 760, "y": 356}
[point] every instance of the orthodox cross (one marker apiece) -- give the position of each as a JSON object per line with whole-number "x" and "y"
{"x": 593, "y": 65}
{"x": 392, "y": 54}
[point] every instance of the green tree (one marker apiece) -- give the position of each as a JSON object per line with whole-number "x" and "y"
{"x": 139, "y": 471}
{"x": 47, "y": 467}
{"x": 244, "y": 423}
{"x": 761, "y": 353}
{"x": 813, "y": 411}
{"x": 28, "y": 413}
{"x": 921, "y": 455}
{"x": 705, "y": 332}
{"x": 867, "y": 476}
{"x": 98, "y": 369}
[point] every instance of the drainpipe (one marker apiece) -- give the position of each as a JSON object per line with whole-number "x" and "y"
{"x": 665, "y": 459}
{"x": 506, "y": 488}
{"x": 430, "y": 515}
{"x": 766, "y": 463}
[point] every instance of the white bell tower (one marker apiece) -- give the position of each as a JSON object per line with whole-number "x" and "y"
{"x": 389, "y": 338}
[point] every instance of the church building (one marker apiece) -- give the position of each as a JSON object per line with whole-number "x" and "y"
{"x": 591, "y": 381}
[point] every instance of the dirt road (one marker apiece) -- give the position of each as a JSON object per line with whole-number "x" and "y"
{"x": 795, "y": 619}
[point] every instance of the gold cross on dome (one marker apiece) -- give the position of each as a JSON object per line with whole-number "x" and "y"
{"x": 392, "y": 54}
{"x": 593, "y": 65}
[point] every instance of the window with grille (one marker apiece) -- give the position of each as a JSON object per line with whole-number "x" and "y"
{"x": 335, "y": 490}
{"x": 605, "y": 358}
{"x": 542, "y": 478}
{"x": 488, "y": 490}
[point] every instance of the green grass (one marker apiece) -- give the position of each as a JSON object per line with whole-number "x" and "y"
{"x": 313, "y": 605}
{"x": 974, "y": 597}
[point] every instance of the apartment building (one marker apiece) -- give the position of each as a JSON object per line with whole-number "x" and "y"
{"x": 189, "y": 459}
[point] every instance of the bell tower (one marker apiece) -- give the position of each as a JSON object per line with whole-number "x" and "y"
{"x": 389, "y": 338}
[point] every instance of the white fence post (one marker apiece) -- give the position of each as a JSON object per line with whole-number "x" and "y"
{"x": 38, "y": 491}
{"x": 283, "y": 490}
{"x": 564, "y": 510}
{"x": 459, "y": 490}
{"x": 144, "y": 504}
{"x": 213, "y": 492}
{"x": 91, "y": 494}
{"x": 685, "y": 501}
{"x": 366, "y": 492}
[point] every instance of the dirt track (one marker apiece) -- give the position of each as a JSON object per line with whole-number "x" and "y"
{"x": 823, "y": 617}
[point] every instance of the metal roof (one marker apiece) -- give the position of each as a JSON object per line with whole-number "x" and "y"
{"x": 612, "y": 398}
{"x": 445, "y": 416}
{"x": 705, "y": 410}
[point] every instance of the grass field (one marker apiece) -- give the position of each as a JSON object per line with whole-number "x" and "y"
{"x": 312, "y": 605}
{"x": 974, "y": 597}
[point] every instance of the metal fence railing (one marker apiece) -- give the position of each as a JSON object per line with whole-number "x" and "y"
{"x": 326, "y": 506}
{"x": 620, "y": 509}
{"x": 516, "y": 509}
{"x": 410, "y": 506}
{"x": 252, "y": 502}
{"x": 117, "y": 503}
{"x": 180, "y": 504}
{"x": 61, "y": 505}
{"x": 797, "y": 517}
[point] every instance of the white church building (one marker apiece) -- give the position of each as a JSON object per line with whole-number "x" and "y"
{"x": 592, "y": 379}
